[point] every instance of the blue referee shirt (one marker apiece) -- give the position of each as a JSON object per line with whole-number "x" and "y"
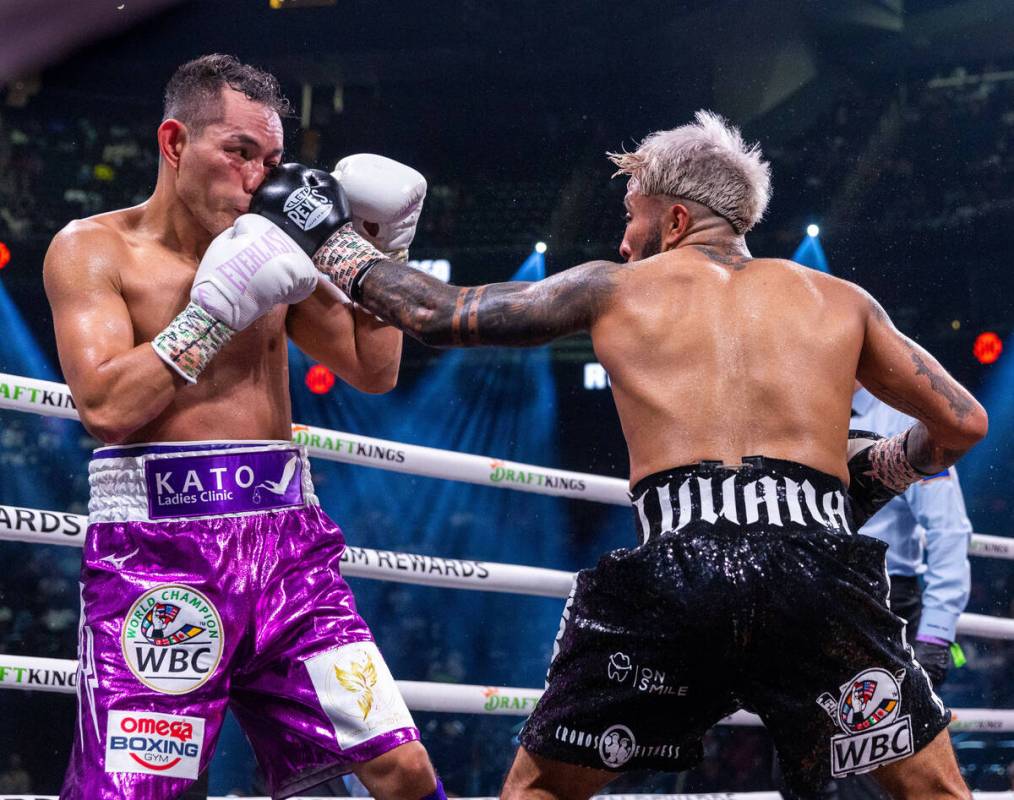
{"x": 927, "y": 523}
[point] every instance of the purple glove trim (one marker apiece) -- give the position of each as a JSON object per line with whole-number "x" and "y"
{"x": 932, "y": 640}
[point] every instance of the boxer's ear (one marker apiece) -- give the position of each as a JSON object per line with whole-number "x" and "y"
{"x": 675, "y": 224}
{"x": 172, "y": 135}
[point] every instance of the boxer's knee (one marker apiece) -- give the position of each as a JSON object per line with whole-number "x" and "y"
{"x": 404, "y": 773}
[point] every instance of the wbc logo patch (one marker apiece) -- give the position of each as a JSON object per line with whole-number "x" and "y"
{"x": 868, "y": 712}
{"x": 172, "y": 639}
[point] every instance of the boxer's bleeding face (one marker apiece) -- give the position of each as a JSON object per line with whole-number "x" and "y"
{"x": 644, "y": 216}
{"x": 222, "y": 165}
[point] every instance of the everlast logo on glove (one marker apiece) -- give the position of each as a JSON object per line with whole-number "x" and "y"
{"x": 307, "y": 207}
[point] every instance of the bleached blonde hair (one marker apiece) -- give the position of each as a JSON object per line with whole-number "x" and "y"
{"x": 707, "y": 162}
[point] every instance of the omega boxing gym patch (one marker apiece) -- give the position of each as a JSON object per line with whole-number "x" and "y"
{"x": 358, "y": 693}
{"x": 147, "y": 743}
{"x": 868, "y": 712}
{"x": 172, "y": 639}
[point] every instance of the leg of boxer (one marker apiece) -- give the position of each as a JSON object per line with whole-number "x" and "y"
{"x": 404, "y": 772}
{"x": 532, "y": 777}
{"x": 931, "y": 774}
{"x": 313, "y": 693}
{"x": 906, "y": 602}
{"x": 841, "y": 693}
{"x": 162, "y": 620}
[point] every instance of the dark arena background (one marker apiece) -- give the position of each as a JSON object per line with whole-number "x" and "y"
{"x": 889, "y": 125}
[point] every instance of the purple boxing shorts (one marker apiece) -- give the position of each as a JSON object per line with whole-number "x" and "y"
{"x": 211, "y": 577}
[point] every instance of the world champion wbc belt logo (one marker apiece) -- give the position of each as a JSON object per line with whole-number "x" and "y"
{"x": 172, "y": 639}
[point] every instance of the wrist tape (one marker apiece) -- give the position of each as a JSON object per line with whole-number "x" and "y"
{"x": 191, "y": 340}
{"x": 345, "y": 258}
{"x": 889, "y": 463}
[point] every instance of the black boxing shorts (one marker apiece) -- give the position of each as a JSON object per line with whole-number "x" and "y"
{"x": 748, "y": 590}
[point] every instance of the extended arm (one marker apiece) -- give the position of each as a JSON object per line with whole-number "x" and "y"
{"x": 515, "y": 314}
{"x": 117, "y": 386}
{"x": 904, "y": 375}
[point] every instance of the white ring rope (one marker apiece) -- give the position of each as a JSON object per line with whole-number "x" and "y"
{"x": 54, "y": 400}
{"x": 47, "y": 527}
{"x": 60, "y": 675}
{"x": 51, "y": 527}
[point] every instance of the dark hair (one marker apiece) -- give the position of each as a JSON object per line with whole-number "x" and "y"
{"x": 192, "y": 94}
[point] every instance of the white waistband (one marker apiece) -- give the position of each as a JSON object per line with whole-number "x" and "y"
{"x": 119, "y": 484}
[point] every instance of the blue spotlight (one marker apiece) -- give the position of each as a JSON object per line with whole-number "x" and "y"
{"x": 21, "y": 354}
{"x": 810, "y": 253}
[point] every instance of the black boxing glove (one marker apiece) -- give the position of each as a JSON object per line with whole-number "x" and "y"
{"x": 308, "y": 204}
{"x": 935, "y": 657}
{"x": 879, "y": 471}
{"x": 311, "y": 207}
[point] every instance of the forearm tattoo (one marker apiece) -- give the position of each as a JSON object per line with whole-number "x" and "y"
{"x": 513, "y": 314}
{"x": 961, "y": 406}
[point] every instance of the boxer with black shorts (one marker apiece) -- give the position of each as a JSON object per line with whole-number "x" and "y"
{"x": 210, "y": 576}
{"x": 732, "y": 376}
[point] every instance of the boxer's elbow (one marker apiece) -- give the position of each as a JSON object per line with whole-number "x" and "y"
{"x": 106, "y": 424}
{"x": 975, "y": 425}
{"x": 379, "y": 382}
{"x": 964, "y": 430}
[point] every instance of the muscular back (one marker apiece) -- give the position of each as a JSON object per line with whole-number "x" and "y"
{"x": 712, "y": 360}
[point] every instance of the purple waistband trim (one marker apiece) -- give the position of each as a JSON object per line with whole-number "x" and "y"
{"x": 138, "y": 450}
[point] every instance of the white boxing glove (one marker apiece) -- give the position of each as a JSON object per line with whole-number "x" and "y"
{"x": 249, "y": 269}
{"x": 386, "y": 199}
{"x": 246, "y": 271}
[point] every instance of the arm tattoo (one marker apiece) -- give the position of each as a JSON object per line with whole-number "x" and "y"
{"x": 514, "y": 313}
{"x": 938, "y": 382}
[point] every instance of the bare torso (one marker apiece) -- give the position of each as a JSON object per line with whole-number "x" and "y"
{"x": 716, "y": 361}
{"x": 244, "y": 392}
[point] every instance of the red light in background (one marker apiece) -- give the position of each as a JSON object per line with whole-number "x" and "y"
{"x": 319, "y": 379}
{"x": 987, "y": 347}
{"x": 5, "y": 255}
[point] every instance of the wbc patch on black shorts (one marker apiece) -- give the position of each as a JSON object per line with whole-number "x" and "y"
{"x": 748, "y": 589}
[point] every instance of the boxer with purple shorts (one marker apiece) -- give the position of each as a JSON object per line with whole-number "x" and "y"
{"x": 211, "y": 576}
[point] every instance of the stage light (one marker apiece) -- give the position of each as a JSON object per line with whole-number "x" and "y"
{"x": 540, "y": 247}
{"x": 5, "y": 255}
{"x": 955, "y": 324}
{"x": 319, "y": 379}
{"x": 987, "y": 348}
{"x": 813, "y": 231}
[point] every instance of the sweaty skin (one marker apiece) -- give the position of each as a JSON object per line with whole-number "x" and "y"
{"x": 712, "y": 354}
{"x": 116, "y": 280}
